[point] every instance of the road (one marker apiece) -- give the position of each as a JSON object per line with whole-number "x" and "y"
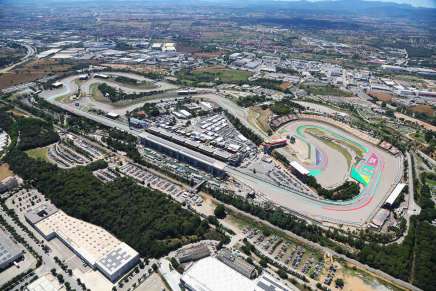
{"x": 427, "y": 158}
{"x": 413, "y": 209}
{"x": 30, "y": 52}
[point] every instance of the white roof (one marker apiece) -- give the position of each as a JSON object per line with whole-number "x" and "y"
{"x": 299, "y": 168}
{"x": 210, "y": 274}
{"x": 113, "y": 114}
{"x": 43, "y": 284}
{"x": 186, "y": 113}
{"x": 395, "y": 193}
{"x": 57, "y": 84}
{"x": 91, "y": 242}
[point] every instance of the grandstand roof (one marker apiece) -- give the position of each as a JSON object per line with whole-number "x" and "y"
{"x": 395, "y": 193}
{"x": 299, "y": 168}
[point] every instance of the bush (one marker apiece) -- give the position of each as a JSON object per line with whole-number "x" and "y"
{"x": 220, "y": 211}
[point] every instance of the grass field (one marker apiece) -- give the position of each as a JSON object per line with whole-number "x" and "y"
{"x": 210, "y": 74}
{"x": 38, "y": 153}
{"x": 96, "y": 94}
{"x": 133, "y": 84}
{"x": 5, "y": 171}
{"x": 326, "y": 90}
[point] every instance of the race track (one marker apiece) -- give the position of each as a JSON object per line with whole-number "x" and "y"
{"x": 377, "y": 170}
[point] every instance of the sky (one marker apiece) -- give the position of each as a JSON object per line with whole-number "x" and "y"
{"x": 418, "y": 3}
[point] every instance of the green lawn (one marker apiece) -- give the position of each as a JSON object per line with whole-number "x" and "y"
{"x": 325, "y": 90}
{"x": 38, "y": 153}
{"x": 96, "y": 94}
{"x": 213, "y": 75}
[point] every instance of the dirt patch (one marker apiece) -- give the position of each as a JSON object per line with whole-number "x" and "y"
{"x": 136, "y": 68}
{"x": 5, "y": 171}
{"x": 32, "y": 71}
{"x": 260, "y": 118}
{"x": 285, "y": 85}
{"x": 414, "y": 120}
{"x": 381, "y": 96}
{"x": 208, "y": 55}
{"x": 426, "y": 109}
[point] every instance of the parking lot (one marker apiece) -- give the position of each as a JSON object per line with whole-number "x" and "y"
{"x": 292, "y": 256}
{"x": 73, "y": 151}
{"x": 148, "y": 179}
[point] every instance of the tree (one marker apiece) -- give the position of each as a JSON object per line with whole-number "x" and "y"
{"x": 339, "y": 283}
{"x": 282, "y": 274}
{"x": 220, "y": 211}
{"x": 263, "y": 263}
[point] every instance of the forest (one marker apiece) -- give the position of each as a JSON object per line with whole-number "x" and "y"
{"x": 115, "y": 95}
{"x": 148, "y": 220}
{"x": 145, "y": 219}
{"x": 35, "y": 133}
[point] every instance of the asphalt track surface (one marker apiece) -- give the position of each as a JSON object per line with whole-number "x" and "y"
{"x": 387, "y": 171}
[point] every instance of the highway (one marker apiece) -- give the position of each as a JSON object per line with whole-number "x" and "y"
{"x": 30, "y": 52}
{"x": 354, "y": 212}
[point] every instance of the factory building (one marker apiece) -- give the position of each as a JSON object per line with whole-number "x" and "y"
{"x": 97, "y": 247}
{"x": 9, "y": 251}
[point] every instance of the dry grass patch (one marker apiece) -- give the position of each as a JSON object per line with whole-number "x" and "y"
{"x": 5, "y": 171}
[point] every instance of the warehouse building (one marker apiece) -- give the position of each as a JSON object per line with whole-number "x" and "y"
{"x": 45, "y": 283}
{"x": 213, "y": 275}
{"x": 9, "y": 251}
{"x": 8, "y": 183}
{"x": 97, "y": 247}
{"x": 193, "y": 253}
{"x": 237, "y": 263}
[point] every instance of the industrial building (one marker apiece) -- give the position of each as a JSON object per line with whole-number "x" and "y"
{"x": 8, "y": 183}
{"x": 237, "y": 263}
{"x": 9, "y": 251}
{"x": 97, "y": 247}
{"x": 211, "y": 274}
{"x": 193, "y": 253}
{"x": 45, "y": 283}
